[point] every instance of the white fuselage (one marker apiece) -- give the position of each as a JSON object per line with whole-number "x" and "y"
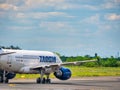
{"x": 22, "y": 60}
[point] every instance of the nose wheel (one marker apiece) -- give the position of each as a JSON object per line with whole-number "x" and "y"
{"x": 3, "y": 78}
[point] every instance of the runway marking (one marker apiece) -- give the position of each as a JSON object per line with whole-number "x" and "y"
{"x": 12, "y": 85}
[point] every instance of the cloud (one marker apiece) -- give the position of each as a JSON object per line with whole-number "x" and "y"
{"x": 20, "y": 15}
{"x": 42, "y": 15}
{"x": 18, "y": 28}
{"x": 23, "y": 5}
{"x": 94, "y": 19}
{"x": 6, "y": 6}
{"x": 110, "y": 4}
{"x": 43, "y": 3}
{"x": 112, "y": 17}
{"x": 95, "y": 26}
{"x": 54, "y": 4}
{"x": 90, "y": 7}
{"x": 54, "y": 25}
{"x": 107, "y": 5}
{"x": 49, "y": 14}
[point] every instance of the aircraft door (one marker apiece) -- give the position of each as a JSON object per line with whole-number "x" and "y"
{"x": 9, "y": 61}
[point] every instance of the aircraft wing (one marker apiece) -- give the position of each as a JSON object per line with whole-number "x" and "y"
{"x": 77, "y": 62}
{"x": 61, "y": 64}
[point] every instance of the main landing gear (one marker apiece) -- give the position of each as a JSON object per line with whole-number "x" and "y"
{"x": 43, "y": 80}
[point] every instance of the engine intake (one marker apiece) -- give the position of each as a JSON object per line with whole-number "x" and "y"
{"x": 63, "y": 73}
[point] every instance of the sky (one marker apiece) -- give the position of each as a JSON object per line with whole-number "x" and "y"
{"x": 69, "y": 27}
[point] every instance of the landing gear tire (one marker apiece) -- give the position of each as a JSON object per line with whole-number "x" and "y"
{"x": 4, "y": 81}
{"x": 38, "y": 80}
{"x": 48, "y": 81}
{"x": 1, "y": 79}
{"x": 44, "y": 81}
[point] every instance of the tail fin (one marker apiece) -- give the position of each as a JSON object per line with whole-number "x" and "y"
{"x": 5, "y": 53}
{"x": 1, "y": 50}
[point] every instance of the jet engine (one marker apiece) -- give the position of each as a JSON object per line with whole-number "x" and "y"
{"x": 63, "y": 73}
{"x": 10, "y": 75}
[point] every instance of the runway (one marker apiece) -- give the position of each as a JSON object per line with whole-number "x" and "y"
{"x": 86, "y": 83}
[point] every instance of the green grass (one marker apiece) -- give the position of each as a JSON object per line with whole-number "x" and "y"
{"x": 78, "y": 71}
{"x": 94, "y": 71}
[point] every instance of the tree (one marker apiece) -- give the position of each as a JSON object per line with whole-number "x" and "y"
{"x": 109, "y": 62}
{"x": 96, "y": 55}
{"x": 10, "y": 47}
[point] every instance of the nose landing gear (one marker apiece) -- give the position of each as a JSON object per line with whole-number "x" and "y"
{"x": 3, "y": 78}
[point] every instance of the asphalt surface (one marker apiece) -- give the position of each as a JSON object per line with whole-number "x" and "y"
{"x": 87, "y": 83}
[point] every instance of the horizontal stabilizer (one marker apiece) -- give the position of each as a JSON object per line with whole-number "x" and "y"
{"x": 1, "y": 54}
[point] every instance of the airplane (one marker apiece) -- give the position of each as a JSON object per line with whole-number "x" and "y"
{"x": 33, "y": 62}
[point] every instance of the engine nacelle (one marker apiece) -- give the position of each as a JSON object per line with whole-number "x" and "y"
{"x": 10, "y": 75}
{"x": 63, "y": 73}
